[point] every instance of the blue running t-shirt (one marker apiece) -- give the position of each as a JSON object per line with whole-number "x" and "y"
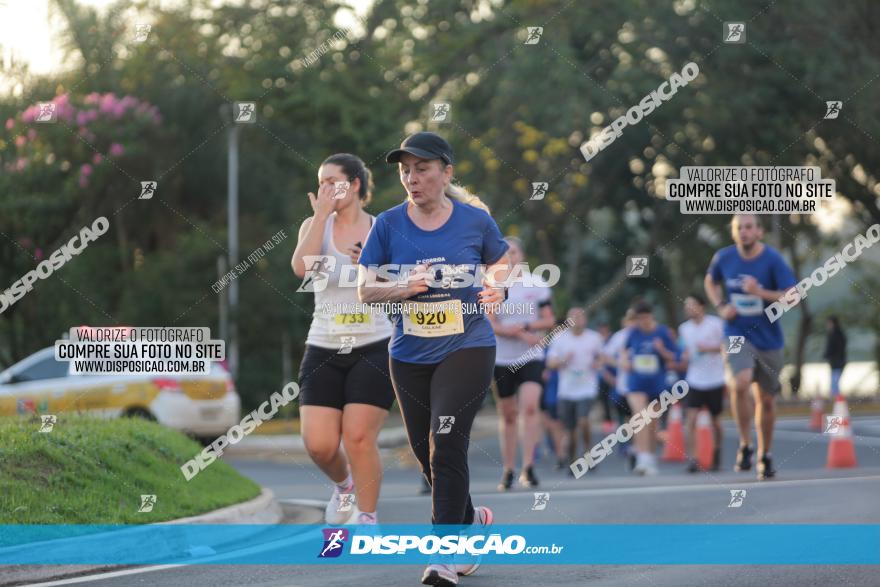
{"x": 647, "y": 368}
{"x": 469, "y": 237}
{"x": 772, "y": 273}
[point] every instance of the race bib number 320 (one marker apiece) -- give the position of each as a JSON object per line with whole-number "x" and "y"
{"x": 433, "y": 318}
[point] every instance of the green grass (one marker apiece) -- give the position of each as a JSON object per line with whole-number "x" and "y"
{"x": 91, "y": 471}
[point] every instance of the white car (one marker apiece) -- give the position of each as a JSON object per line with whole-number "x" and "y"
{"x": 202, "y": 405}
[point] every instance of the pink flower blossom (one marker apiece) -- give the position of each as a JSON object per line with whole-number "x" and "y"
{"x": 116, "y": 150}
{"x": 63, "y": 108}
{"x": 9, "y": 123}
{"x": 86, "y": 170}
{"x": 97, "y": 159}
{"x": 38, "y": 254}
{"x": 20, "y": 140}
{"x": 92, "y": 98}
{"x": 31, "y": 134}
{"x": 29, "y": 114}
{"x": 129, "y": 102}
{"x": 20, "y": 164}
{"x": 108, "y": 101}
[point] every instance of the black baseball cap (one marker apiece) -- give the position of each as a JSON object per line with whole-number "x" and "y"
{"x": 425, "y": 145}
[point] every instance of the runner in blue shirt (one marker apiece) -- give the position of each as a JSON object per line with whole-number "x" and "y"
{"x": 649, "y": 350}
{"x": 442, "y": 347}
{"x": 741, "y": 281}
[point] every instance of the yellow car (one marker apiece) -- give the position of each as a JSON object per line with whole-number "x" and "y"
{"x": 202, "y": 405}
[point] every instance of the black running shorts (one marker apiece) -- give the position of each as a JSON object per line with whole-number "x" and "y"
{"x": 327, "y": 378}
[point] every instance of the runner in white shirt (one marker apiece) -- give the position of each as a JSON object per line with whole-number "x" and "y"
{"x": 345, "y": 385}
{"x": 703, "y": 337}
{"x": 576, "y": 353}
{"x": 519, "y": 326}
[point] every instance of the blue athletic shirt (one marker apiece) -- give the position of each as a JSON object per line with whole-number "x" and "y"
{"x": 470, "y": 236}
{"x": 647, "y": 368}
{"x": 772, "y": 272}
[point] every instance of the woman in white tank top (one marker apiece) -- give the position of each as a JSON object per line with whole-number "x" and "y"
{"x": 344, "y": 381}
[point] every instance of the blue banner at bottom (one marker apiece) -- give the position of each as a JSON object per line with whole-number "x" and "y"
{"x": 766, "y": 544}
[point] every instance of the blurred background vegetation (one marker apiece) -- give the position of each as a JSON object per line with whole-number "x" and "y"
{"x": 519, "y": 113}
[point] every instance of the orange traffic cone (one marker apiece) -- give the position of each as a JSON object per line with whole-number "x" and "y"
{"x": 673, "y": 449}
{"x": 705, "y": 440}
{"x": 841, "y": 450}
{"x": 818, "y": 410}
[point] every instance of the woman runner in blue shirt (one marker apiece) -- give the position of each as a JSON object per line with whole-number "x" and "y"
{"x": 442, "y": 347}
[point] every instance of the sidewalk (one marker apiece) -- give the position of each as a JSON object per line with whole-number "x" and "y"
{"x": 263, "y": 509}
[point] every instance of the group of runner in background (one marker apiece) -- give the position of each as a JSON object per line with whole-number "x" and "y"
{"x": 629, "y": 368}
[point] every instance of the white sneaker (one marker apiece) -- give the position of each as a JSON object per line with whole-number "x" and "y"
{"x": 332, "y": 514}
{"x": 650, "y": 465}
{"x": 641, "y": 464}
{"x": 483, "y": 518}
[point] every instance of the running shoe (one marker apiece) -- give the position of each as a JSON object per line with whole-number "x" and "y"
{"x": 527, "y": 478}
{"x": 366, "y": 519}
{"x": 639, "y": 464}
{"x": 765, "y": 468}
{"x": 332, "y": 515}
{"x": 506, "y": 481}
{"x": 743, "y": 459}
{"x": 436, "y": 574}
{"x": 650, "y": 467}
{"x": 631, "y": 462}
{"x": 483, "y": 518}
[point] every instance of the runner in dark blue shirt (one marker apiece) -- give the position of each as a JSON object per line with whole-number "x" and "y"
{"x": 443, "y": 347}
{"x": 741, "y": 281}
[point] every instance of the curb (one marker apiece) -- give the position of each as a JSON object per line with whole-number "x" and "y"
{"x": 263, "y": 509}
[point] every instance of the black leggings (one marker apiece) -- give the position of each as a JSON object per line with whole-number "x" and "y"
{"x": 428, "y": 394}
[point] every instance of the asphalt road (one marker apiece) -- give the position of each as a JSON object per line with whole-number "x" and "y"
{"x": 804, "y": 492}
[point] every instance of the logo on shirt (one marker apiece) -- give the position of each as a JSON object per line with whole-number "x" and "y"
{"x": 447, "y": 276}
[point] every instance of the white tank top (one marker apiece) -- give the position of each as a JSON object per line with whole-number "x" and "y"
{"x": 338, "y": 312}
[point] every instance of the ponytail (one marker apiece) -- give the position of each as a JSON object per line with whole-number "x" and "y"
{"x": 456, "y": 192}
